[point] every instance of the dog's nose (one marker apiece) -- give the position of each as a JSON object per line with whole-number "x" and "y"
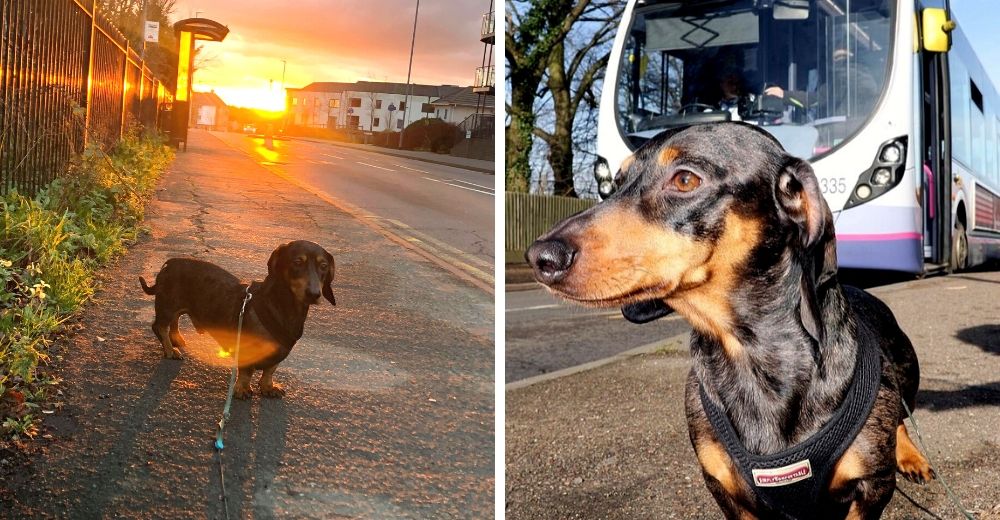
{"x": 312, "y": 295}
{"x": 551, "y": 260}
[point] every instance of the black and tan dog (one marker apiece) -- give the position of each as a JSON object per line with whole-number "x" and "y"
{"x": 297, "y": 273}
{"x": 794, "y": 401}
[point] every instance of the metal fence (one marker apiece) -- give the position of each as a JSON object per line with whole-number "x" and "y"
{"x": 529, "y": 216}
{"x": 67, "y": 78}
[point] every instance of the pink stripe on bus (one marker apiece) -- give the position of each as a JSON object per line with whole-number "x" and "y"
{"x": 880, "y": 236}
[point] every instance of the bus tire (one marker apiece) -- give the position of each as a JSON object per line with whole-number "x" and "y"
{"x": 959, "y": 249}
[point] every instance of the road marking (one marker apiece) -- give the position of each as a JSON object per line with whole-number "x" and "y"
{"x": 408, "y": 168}
{"x": 373, "y": 166}
{"x": 491, "y": 188}
{"x": 459, "y": 269}
{"x": 331, "y": 155}
{"x": 462, "y": 187}
{"x": 534, "y": 308}
{"x": 442, "y": 249}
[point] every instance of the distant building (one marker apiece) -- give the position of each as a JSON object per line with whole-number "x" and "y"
{"x": 457, "y": 106}
{"x": 367, "y": 105}
{"x": 209, "y": 111}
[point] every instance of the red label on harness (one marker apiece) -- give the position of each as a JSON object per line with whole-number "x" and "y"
{"x": 784, "y": 475}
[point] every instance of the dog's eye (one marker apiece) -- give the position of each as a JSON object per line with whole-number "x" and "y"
{"x": 299, "y": 261}
{"x": 323, "y": 266}
{"x": 685, "y": 181}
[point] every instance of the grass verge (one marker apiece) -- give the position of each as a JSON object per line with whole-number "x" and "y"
{"x": 50, "y": 246}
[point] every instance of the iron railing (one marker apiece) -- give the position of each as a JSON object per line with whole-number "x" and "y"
{"x": 488, "y": 28}
{"x": 478, "y": 126}
{"x": 484, "y": 78}
{"x": 67, "y": 78}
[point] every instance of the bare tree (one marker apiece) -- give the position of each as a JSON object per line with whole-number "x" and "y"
{"x": 533, "y": 30}
{"x": 575, "y": 67}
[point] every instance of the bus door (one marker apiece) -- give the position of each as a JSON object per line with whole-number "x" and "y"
{"x": 935, "y": 157}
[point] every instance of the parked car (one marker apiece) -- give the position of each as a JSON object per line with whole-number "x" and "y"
{"x": 249, "y": 128}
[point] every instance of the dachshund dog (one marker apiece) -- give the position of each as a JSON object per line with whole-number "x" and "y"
{"x": 297, "y": 273}
{"x": 795, "y": 399}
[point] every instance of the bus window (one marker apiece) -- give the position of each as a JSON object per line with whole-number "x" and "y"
{"x": 810, "y": 76}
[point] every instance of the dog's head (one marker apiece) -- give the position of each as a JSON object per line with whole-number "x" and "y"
{"x": 305, "y": 268}
{"x": 699, "y": 211}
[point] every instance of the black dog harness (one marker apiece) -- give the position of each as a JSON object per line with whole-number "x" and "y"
{"x": 792, "y": 481}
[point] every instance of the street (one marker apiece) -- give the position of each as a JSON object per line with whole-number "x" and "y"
{"x": 389, "y": 410}
{"x": 612, "y": 442}
{"x": 545, "y": 334}
{"x": 446, "y": 212}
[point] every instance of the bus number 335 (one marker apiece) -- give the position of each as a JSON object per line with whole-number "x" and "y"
{"x": 835, "y": 185}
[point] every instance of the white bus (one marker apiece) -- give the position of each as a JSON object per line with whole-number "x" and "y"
{"x": 895, "y": 113}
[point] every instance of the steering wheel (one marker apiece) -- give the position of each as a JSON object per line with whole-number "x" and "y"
{"x": 701, "y": 107}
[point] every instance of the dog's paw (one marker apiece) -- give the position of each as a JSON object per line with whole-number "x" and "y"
{"x": 915, "y": 468}
{"x": 243, "y": 393}
{"x": 275, "y": 390}
{"x": 174, "y": 353}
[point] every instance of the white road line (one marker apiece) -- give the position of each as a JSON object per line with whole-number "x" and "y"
{"x": 491, "y": 188}
{"x": 373, "y": 166}
{"x": 331, "y": 155}
{"x": 408, "y": 168}
{"x": 535, "y": 308}
{"x": 462, "y": 187}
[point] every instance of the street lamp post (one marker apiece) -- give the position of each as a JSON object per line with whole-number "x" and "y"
{"x": 406, "y": 107}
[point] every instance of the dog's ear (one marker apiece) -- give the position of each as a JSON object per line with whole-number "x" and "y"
{"x": 327, "y": 280}
{"x": 275, "y": 259}
{"x": 801, "y": 202}
{"x": 645, "y": 311}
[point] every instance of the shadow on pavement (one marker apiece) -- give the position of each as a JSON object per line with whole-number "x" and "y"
{"x": 986, "y": 337}
{"x": 113, "y": 465}
{"x": 976, "y": 395}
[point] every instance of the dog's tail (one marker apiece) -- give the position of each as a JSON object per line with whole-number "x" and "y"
{"x": 145, "y": 288}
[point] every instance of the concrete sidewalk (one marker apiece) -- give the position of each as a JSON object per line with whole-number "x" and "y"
{"x": 389, "y": 407}
{"x": 612, "y": 441}
{"x": 430, "y": 157}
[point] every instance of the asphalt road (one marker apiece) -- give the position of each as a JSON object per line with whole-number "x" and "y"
{"x": 612, "y": 442}
{"x": 389, "y": 410}
{"x": 545, "y": 334}
{"x": 443, "y": 210}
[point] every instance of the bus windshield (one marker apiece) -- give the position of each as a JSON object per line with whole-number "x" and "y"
{"x": 808, "y": 71}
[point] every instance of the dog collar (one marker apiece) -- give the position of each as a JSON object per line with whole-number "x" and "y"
{"x": 791, "y": 482}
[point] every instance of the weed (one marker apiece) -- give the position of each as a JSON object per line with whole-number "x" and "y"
{"x": 50, "y": 245}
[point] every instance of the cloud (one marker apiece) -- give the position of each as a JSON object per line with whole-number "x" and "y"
{"x": 341, "y": 40}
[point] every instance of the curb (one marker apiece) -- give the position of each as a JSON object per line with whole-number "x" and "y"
{"x": 671, "y": 343}
{"x": 490, "y": 171}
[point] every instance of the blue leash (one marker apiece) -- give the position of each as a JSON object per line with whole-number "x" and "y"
{"x": 229, "y": 400}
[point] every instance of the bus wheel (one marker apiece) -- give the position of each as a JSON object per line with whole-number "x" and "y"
{"x": 959, "y": 249}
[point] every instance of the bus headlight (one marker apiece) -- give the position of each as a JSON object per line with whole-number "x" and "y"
{"x": 885, "y": 172}
{"x": 604, "y": 178}
{"x": 891, "y": 154}
{"x": 881, "y": 177}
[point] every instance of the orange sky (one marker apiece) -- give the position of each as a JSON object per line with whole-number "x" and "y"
{"x": 334, "y": 40}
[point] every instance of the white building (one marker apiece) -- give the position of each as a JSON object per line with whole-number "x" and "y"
{"x": 375, "y": 106}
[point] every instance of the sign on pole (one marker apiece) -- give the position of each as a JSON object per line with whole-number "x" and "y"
{"x": 152, "y": 32}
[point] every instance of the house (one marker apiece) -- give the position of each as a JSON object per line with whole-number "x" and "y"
{"x": 209, "y": 111}
{"x": 457, "y": 106}
{"x": 371, "y": 106}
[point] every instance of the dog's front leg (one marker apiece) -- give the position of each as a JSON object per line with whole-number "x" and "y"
{"x": 268, "y": 388}
{"x": 242, "y": 390}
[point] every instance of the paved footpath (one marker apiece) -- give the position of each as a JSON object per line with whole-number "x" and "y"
{"x": 389, "y": 406}
{"x": 612, "y": 442}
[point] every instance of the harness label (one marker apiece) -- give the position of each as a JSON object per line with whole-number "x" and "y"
{"x": 784, "y": 475}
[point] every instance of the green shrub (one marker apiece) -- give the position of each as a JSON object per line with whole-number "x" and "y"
{"x": 50, "y": 245}
{"x": 431, "y": 134}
